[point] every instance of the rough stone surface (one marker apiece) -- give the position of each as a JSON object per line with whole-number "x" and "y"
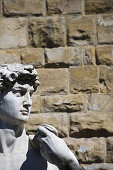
{"x": 104, "y": 55}
{"x": 106, "y": 76}
{"x": 1, "y": 14}
{"x": 102, "y": 78}
{"x": 103, "y": 72}
{"x": 110, "y": 150}
{"x": 88, "y": 150}
{"x": 101, "y": 166}
{"x": 89, "y": 55}
{"x": 53, "y": 81}
{"x": 69, "y": 103}
{"x": 92, "y": 124}
{"x": 81, "y": 30}
{"x": 23, "y": 7}
{"x": 98, "y": 6}
{"x": 105, "y": 29}
{"x": 9, "y": 56}
{"x": 64, "y": 6}
{"x": 58, "y": 120}
{"x": 47, "y": 31}
{"x": 13, "y": 33}
{"x": 70, "y": 56}
{"x": 101, "y": 102}
{"x": 36, "y": 103}
{"x": 64, "y": 56}
{"x": 84, "y": 79}
{"x": 109, "y": 80}
{"x": 34, "y": 56}
{"x": 70, "y": 42}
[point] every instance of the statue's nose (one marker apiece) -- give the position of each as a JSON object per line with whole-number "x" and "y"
{"x": 27, "y": 104}
{"x": 27, "y": 100}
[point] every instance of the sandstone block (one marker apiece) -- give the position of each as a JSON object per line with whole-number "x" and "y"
{"x": 34, "y": 56}
{"x": 24, "y": 7}
{"x": 88, "y": 150}
{"x": 89, "y": 55}
{"x": 47, "y": 31}
{"x": 9, "y": 56}
{"x": 1, "y": 8}
{"x": 67, "y": 103}
{"x": 59, "y": 120}
{"x": 102, "y": 78}
{"x": 110, "y": 149}
{"x": 70, "y": 56}
{"x": 36, "y": 103}
{"x": 106, "y": 75}
{"x": 92, "y": 124}
{"x": 13, "y": 33}
{"x": 109, "y": 80}
{"x": 81, "y": 30}
{"x": 98, "y": 6}
{"x": 84, "y": 79}
{"x": 102, "y": 166}
{"x": 104, "y": 55}
{"x": 64, "y": 56}
{"x": 2, "y": 58}
{"x": 64, "y": 6}
{"x": 105, "y": 29}
{"x": 53, "y": 81}
{"x": 101, "y": 102}
{"x": 103, "y": 72}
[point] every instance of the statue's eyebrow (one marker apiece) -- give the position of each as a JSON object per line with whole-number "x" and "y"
{"x": 20, "y": 88}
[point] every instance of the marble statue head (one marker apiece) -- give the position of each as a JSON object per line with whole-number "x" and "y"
{"x": 17, "y": 83}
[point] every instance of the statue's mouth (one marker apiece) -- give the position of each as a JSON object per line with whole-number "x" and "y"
{"x": 24, "y": 112}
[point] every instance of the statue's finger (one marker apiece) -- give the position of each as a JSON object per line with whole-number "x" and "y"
{"x": 50, "y": 128}
{"x": 43, "y": 131}
{"x": 41, "y": 138}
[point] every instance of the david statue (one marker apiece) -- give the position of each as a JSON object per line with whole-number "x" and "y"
{"x": 46, "y": 151}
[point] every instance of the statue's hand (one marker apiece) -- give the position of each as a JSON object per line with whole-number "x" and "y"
{"x": 35, "y": 142}
{"x": 55, "y": 150}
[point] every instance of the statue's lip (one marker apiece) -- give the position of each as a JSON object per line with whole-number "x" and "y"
{"x": 24, "y": 112}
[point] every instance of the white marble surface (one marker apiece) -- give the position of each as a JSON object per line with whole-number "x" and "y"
{"x": 52, "y": 167}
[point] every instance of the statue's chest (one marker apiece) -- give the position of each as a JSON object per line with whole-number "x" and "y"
{"x": 22, "y": 161}
{"x": 12, "y": 162}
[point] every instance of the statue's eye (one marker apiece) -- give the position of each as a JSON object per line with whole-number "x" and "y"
{"x": 19, "y": 93}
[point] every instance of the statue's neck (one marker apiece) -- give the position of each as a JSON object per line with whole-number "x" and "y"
{"x": 11, "y": 138}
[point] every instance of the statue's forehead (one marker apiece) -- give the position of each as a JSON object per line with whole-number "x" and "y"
{"x": 23, "y": 86}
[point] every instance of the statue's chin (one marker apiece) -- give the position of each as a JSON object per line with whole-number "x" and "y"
{"x": 14, "y": 121}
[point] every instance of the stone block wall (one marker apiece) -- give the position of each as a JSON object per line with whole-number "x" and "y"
{"x": 70, "y": 43}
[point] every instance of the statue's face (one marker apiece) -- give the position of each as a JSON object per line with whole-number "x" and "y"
{"x": 15, "y": 103}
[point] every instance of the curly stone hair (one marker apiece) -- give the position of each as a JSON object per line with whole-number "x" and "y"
{"x": 11, "y": 73}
